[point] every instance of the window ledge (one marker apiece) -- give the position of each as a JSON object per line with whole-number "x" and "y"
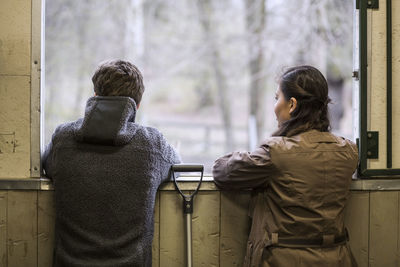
{"x": 190, "y": 183}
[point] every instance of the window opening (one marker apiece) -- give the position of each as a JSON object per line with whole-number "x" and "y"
{"x": 209, "y": 67}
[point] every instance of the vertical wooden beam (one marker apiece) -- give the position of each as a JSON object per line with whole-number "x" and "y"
{"x": 46, "y": 226}
{"x": 398, "y": 230}
{"x": 396, "y": 82}
{"x": 384, "y": 220}
{"x": 156, "y": 238}
{"x": 3, "y": 228}
{"x": 357, "y": 222}
{"x": 36, "y": 68}
{"x": 235, "y": 225}
{"x": 22, "y": 228}
{"x": 377, "y": 80}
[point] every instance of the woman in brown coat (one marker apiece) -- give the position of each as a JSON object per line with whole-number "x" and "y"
{"x": 300, "y": 179}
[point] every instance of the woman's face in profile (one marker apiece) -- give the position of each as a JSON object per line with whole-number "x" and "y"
{"x": 282, "y": 107}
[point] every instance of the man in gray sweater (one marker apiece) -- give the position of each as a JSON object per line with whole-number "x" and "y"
{"x": 106, "y": 171}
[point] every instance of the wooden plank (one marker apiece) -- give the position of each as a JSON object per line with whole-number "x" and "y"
{"x": 384, "y": 220}
{"x": 22, "y": 228}
{"x": 3, "y": 228}
{"x": 35, "y": 106}
{"x": 172, "y": 230}
{"x": 378, "y": 81}
{"x": 235, "y": 226}
{"x": 357, "y": 223}
{"x": 156, "y": 238}
{"x": 15, "y": 124}
{"x": 396, "y": 83}
{"x": 206, "y": 229}
{"x": 15, "y": 37}
{"x": 398, "y": 230}
{"x": 46, "y": 226}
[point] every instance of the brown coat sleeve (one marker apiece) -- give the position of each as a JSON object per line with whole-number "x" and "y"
{"x": 243, "y": 170}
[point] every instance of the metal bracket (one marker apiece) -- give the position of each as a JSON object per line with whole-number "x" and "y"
{"x": 372, "y": 145}
{"x": 356, "y": 75}
{"x": 371, "y": 4}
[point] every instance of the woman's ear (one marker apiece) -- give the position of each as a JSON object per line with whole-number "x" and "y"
{"x": 293, "y": 104}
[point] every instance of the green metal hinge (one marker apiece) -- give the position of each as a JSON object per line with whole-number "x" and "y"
{"x": 372, "y": 145}
{"x": 371, "y": 4}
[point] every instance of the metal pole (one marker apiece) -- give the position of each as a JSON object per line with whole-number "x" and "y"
{"x": 188, "y": 204}
{"x": 189, "y": 239}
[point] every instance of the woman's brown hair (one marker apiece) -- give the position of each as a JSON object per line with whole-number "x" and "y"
{"x": 309, "y": 87}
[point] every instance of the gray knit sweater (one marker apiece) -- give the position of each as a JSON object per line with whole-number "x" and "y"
{"x": 106, "y": 171}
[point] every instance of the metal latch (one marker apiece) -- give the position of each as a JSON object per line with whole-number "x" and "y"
{"x": 372, "y": 145}
{"x": 371, "y": 4}
{"x": 356, "y": 75}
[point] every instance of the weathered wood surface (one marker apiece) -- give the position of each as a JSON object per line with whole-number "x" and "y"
{"x": 357, "y": 222}
{"x": 22, "y": 228}
{"x": 206, "y": 229}
{"x": 14, "y": 126}
{"x": 156, "y": 239}
{"x": 383, "y": 230}
{"x": 377, "y": 80}
{"x": 3, "y": 228}
{"x": 15, "y": 36}
{"x": 235, "y": 226}
{"x": 46, "y": 223}
{"x": 172, "y": 230}
{"x": 220, "y": 228}
{"x": 396, "y": 82}
{"x": 15, "y": 65}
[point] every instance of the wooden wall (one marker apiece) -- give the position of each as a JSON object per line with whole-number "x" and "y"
{"x": 220, "y": 224}
{"x": 220, "y": 227}
{"x": 15, "y": 88}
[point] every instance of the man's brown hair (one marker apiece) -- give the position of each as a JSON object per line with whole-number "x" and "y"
{"x": 118, "y": 78}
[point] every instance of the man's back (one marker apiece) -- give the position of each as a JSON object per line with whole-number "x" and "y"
{"x": 106, "y": 171}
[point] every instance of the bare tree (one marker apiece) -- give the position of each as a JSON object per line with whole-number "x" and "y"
{"x": 206, "y": 16}
{"x": 199, "y": 58}
{"x": 255, "y": 25}
{"x": 83, "y": 17}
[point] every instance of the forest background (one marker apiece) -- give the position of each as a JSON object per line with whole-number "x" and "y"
{"x": 210, "y": 67}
